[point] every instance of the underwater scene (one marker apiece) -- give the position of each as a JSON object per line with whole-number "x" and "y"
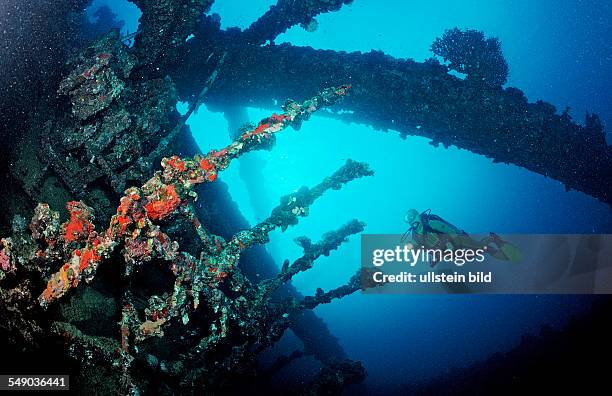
{"x": 305, "y": 197}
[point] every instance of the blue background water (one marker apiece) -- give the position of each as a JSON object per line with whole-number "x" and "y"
{"x": 558, "y": 51}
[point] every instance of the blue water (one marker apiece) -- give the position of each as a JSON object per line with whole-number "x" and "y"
{"x": 558, "y": 51}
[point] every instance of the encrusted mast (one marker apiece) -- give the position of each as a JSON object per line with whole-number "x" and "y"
{"x": 410, "y": 97}
{"x": 167, "y": 194}
{"x": 209, "y": 284}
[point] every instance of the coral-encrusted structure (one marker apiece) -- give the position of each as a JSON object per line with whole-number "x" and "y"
{"x": 413, "y": 98}
{"x": 287, "y": 13}
{"x": 162, "y": 196}
{"x": 237, "y": 318}
{"x": 111, "y": 126}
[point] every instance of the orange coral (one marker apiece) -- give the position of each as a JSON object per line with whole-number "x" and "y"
{"x": 70, "y": 273}
{"x": 58, "y": 285}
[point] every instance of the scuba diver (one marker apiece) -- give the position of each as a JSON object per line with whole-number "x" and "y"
{"x": 433, "y": 232}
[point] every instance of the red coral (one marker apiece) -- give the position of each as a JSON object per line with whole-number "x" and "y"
{"x": 88, "y": 256}
{"x": 176, "y": 163}
{"x": 79, "y": 226}
{"x": 279, "y": 117}
{"x": 167, "y": 203}
{"x": 127, "y": 213}
{"x": 209, "y": 167}
{"x": 261, "y": 129}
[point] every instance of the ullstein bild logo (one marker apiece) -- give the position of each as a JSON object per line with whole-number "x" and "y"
{"x": 541, "y": 263}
